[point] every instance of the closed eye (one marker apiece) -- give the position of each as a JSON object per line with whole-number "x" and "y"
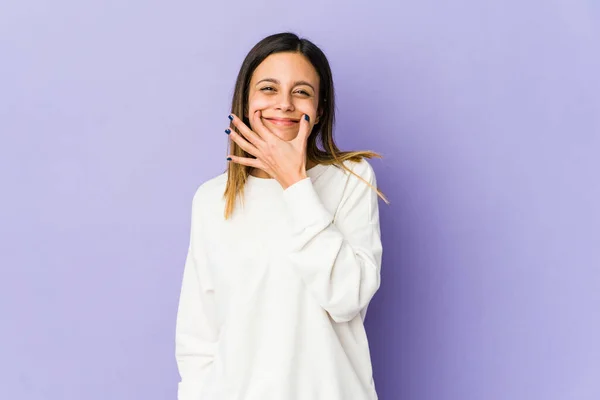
{"x": 271, "y": 89}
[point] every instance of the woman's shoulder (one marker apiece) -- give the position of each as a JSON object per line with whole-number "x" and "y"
{"x": 362, "y": 168}
{"x": 210, "y": 191}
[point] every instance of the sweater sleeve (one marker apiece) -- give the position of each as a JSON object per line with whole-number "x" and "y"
{"x": 196, "y": 331}
{"x": 338, "y": 257}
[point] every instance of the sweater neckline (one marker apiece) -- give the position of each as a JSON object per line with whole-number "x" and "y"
{"x": 312, "y": 173}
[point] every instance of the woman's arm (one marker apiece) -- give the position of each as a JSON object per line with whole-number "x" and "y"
{"x": 338, "y": 257}
{"x": 195, "y": 333}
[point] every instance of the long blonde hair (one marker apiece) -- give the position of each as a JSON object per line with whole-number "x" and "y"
{"x": 322, "y": 132}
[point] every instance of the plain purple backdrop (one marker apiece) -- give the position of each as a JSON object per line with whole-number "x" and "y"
{"x": 488, "y": 115}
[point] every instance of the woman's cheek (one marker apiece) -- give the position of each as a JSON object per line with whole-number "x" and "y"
{"x": 258, "y": 103}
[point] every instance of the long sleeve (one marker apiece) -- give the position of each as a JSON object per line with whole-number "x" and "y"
{"x": 195, "y": 333}
{"x": 338, "y": 257}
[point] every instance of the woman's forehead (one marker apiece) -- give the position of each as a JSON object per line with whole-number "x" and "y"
{"x": 286, "y": 67}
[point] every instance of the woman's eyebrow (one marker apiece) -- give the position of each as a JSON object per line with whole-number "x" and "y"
{"x": 275, "y": 81}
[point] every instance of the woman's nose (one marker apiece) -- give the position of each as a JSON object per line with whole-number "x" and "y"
{"x": 284, "y": 102}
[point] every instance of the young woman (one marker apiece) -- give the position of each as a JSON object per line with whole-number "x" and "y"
{"x": 285, "y": 249}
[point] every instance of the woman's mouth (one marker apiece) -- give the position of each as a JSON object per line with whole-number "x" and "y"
{"x": 282, "y": 121}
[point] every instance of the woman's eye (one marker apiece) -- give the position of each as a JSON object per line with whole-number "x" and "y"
{"x": 271, "y": 89}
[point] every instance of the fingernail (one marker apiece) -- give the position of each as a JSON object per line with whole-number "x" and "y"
{"x": 228, "y": 131}
{"x": 230, "y": 117}
{"x": 306, "y": 117}
{"x": 228, "y": 158}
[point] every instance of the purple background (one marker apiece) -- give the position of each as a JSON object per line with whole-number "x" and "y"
{"x": 487, "y": 113}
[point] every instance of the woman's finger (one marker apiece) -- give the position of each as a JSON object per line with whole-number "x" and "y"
{"x": 250, "y": 135}
{"x": 251, "y": 162}
{"x": 305, "y": 128}
{"x": 260, "y": 128}
{"x": 242, "y": 142}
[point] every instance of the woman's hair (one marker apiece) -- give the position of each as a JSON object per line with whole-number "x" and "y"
{"x": 322, "y": 132}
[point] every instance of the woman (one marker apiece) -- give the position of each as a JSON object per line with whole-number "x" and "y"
{"x": 285, "y": 250}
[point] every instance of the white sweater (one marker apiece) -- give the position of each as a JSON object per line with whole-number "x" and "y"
{"x": 273, "y": 300}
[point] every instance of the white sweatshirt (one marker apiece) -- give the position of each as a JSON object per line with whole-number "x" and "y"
{"x": 273, "y": 300}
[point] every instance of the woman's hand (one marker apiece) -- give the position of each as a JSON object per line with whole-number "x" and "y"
{"x": 283, "y": 160}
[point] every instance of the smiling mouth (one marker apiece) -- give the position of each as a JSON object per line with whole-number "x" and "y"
{"x": 282, "y": 121}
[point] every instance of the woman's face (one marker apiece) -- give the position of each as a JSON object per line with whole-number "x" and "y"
{"x": 284, "y": 87}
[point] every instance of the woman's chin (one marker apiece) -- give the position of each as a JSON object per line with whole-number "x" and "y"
{"x": 285, "y": 134}
{"x": 282, "y": 132}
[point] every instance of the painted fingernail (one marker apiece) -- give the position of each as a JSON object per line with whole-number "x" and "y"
{"x": 306, "y": 117}
{"x": 228, "y": 158}
{"x": 230, "y": 117}
{"x": 228, "y": 131}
